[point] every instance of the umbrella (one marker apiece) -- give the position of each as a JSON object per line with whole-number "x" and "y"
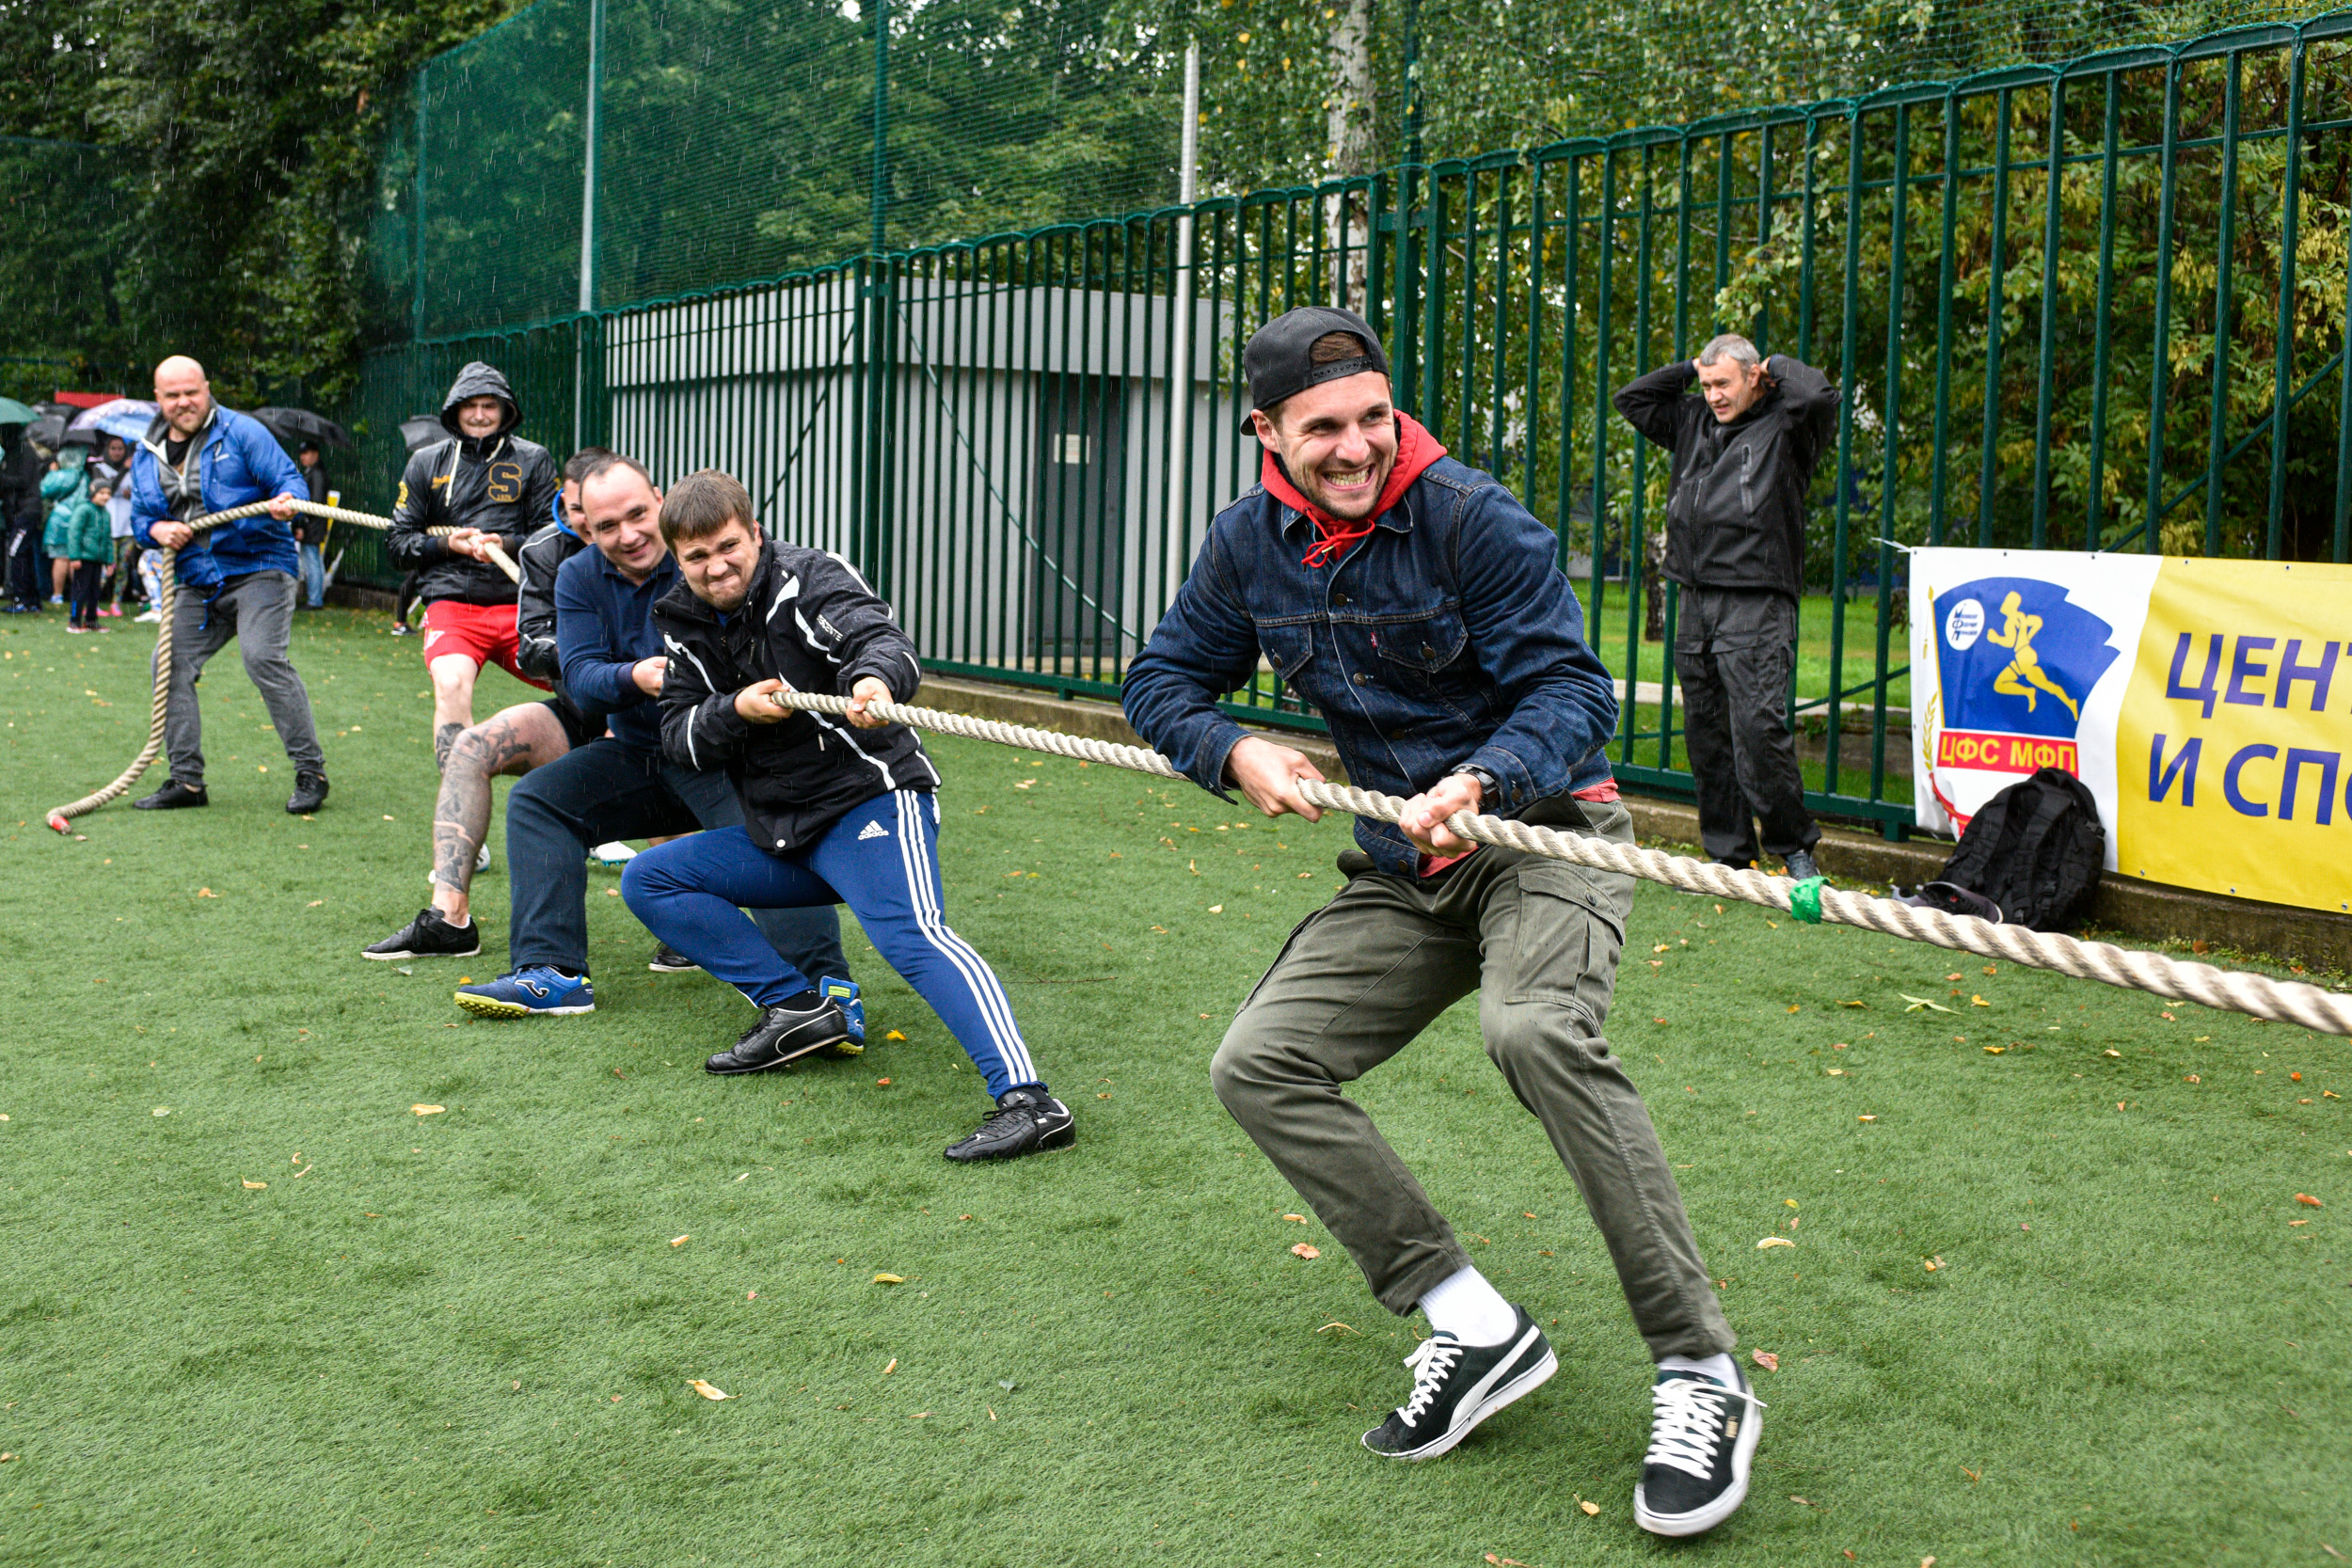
{"x": 125, "y": 416}
{"x": 299, "y": 427}
{"x": 47, "y": 431}
{"x": 421, "y": 431}
{"x": 13, "y": 412}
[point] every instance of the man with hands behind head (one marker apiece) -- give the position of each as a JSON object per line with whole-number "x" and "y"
{"x": 1745, "y": 451}
{"x": 1414, "y": 601}
{"x": 619, "y": 786}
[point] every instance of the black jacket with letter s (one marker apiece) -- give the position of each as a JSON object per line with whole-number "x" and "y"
{"x": 810, "y": 619}
{"x": 1735, "y": 512}
{"x": 501, "y": 485}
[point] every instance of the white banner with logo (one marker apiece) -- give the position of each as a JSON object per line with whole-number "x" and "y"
{"x": 2196, "y": 700}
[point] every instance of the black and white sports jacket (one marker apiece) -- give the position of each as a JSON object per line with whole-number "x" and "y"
{"x": 810, "y": 620}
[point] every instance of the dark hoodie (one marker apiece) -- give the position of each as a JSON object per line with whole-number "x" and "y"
{"x": 501, "y": 484}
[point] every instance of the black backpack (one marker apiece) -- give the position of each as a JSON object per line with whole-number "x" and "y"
{"x": 2036, "y": 850}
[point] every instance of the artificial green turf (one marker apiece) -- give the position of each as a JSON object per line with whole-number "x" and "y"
{"x": 467, "y": 1338}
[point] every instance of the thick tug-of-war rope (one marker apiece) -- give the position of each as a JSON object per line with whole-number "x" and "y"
{"x": 61, "y": 818}
{"x": 2231, "y": 991}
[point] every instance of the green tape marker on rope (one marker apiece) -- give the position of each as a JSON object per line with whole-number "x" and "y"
{"x": 1804, "y": 900}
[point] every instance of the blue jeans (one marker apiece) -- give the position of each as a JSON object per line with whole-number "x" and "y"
{"x": 606, "y": 790}
{"x": 314, "y": 577}
{"x": 881, "y": 859}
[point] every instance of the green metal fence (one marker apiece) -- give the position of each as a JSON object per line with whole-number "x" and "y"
{"x": 2100, "y": 305}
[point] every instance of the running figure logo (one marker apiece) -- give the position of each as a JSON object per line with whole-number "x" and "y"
{"x": 2024, "y": 673}
{"x": 2015, "y": 660}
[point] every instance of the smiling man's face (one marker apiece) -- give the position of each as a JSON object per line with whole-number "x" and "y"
{"x": 480, "y": 416}
{"x": 620, "y": 515}
{"x": 1338, "y": 440}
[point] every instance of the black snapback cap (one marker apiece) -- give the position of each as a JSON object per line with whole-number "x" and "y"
{"x": 1278, "y": 363}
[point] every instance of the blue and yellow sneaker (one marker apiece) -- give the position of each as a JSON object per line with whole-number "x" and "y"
{"x": 843, "y": 994}
{"x": 539, "y": 991}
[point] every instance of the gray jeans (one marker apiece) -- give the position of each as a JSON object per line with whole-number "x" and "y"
{"x": 257, "y": 609}
{"x": 1360, "y": 977}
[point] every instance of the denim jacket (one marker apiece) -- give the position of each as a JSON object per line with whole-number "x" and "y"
{"x": 1446, "y": 637}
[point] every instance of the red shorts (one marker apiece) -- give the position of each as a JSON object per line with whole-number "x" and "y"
{"x": 482, "y": 632}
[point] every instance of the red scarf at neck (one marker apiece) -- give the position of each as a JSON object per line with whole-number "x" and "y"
{"x": 1416, "y": 449}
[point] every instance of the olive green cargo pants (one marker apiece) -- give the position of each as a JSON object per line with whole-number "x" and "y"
{"x": 1360, "y": 979}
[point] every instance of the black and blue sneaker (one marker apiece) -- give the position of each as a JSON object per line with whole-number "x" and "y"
{"x": 1457, "y": 1386}
{"x": 539, "y": 991}
{"x": 844, "y": 995}
{"x": 1702, "y": 1441}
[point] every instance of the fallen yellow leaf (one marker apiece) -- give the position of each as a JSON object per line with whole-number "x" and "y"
{"x": 428, "y": 1110}
{"x": 1765, "y": 1359}
{"x": 889, "y": 1279}
{"x": 1307, "y": 1250}
{"x": 1865, "y": 1118}
{"x": 1773, "y": 1241}
{"x": 1216, "y": 908}
{"x": 1994, "y": 1050}
{"x": 206, "y": 892}
{"x": 706, "y": 1390}
{"x": 255, "y": 1186}
{"x": 680, "y": 1241}
{"x": 892, "y": 1367}
{"x": 1295, "y": 1219}
{"x": 316, "y": 902}
{"x": 894, "y": 1034}
{"x": 2306, "y": 1197}
{"x": 1978, "y": 1002}
{"x": 1591, "y": 1509}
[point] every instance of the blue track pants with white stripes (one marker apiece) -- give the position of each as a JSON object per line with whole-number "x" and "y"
{"x": 882, "y": 860}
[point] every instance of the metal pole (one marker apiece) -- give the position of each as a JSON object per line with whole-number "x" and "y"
{"x": 588, "y": 169}
{"x": 587, "y": 222}
{"x": 2160, "y": 354}
{"x": 2282, "y": 353}
{"x": 1181, "y": 379}
{"x": 2217, "y": 433}
{"x": 880, "y": 197}
{"x": 1412, "y": 81}
{"x": 416, "y": 298}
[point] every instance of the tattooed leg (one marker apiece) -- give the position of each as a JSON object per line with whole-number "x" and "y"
{"x": 513, "y": 740}
{"x": 452, "y": 700}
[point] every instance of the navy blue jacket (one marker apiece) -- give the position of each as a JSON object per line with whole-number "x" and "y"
{"x": 603, "y": 627}
{"x": 242, "y": 462}
{"x": 1446, "y": 637}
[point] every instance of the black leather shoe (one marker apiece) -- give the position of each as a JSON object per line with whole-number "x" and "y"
{"x": 1023, "y": 1123}
{"x": 1801, "y": 866}
{"x": 789, "y": 1030}
{"x": 310, "y": 794}
{"x": 173, "y": 796}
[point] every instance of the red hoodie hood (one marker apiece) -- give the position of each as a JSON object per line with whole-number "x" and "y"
{"x": 1416, "y": 449}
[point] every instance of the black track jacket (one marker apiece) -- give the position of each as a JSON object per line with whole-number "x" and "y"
{"x": 504, "y": 485}
{"x": 542, "y": 556}
{"x": 810, "y": 619}
{"x": 1735, "y": 517}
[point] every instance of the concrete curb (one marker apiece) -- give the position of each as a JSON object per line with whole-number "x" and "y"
{"x": 2149, "y": 911}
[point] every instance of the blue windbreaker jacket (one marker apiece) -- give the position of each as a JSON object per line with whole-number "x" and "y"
{"x": 242, "y": 463}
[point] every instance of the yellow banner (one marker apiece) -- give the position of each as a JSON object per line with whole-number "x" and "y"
{"x": 2233, "y": 747}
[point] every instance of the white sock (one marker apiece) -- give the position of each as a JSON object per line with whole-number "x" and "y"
{"x": 1718, "y": 1367}
{"x": 1466, "y": 1307}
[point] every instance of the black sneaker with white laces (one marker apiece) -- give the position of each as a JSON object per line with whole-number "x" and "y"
{"x": 1702, "y": 1441}
{"x": 668, "y": 961}
{"x": 1025, "y": 1121}
{"x": 428, "y": 936}
{"x": 783, "y": 1033}
{"x": 1457, "y": 1386}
